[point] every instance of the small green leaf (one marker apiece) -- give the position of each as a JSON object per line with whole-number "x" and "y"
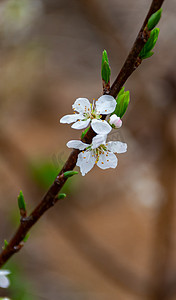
{"x": 84, "y": 132}
{"x": 149, "y": 44}
{"x": 26, "y": 237}
{"x": 122, "y": 104}
{"x": 62, "y": 196}
{"x": 5, "y": 244}
{"x": 149, "y": 54}
{"x": 154, "y": 19}
{"x": 105, "y": 68}
{"x": 70, "y": 174}
{"x": 121, "y": 92}
{"x": 21, "y": 202}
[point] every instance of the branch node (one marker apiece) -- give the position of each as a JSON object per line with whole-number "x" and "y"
{"x": 17, "y": 247}
{"x": 106, "y": 87}
{"x": 58, "y": 178}
{"x": 26, "y": 219}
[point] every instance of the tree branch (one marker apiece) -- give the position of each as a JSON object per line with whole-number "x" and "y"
{"x": 131, "y": 63}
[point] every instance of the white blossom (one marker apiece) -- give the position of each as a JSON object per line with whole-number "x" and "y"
{"x": 99, "y": 153}
{"x": 4, "y": 281}
{"x": 91, "y": 112}
{"x": 115, "y": 121}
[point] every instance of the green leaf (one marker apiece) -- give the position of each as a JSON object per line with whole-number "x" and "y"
{"x": 5, "y": 244}
{"x": 84, "y": 132}
{"x": 105, "y": 55}
{"x": 70, "y": 174}
{"x": 149, "y": 44}
{"x": 122, "y": 104}
{"x": 26, "y": 237}
{"x": 62, "y": 196}
{"x": 149, "y": 54}
{"x": 105, "y": 68}
{"x": 154, "y": 19}
{"x": 21, "y": 202}
{"x": 121, "y": 92}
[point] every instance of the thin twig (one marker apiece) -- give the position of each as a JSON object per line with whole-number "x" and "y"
{"x": 50, "y": 198}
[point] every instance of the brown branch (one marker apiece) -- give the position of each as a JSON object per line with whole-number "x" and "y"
{"x": 50, "y": 198}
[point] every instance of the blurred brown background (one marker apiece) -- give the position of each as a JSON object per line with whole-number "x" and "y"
{"x": 113, "y": 237}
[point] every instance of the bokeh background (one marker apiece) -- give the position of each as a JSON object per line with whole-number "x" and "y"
{"x": 113, "y": 237}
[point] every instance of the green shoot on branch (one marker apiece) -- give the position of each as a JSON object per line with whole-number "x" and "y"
{"x": 105, "y": 68}
{"x": 154, "y": 19}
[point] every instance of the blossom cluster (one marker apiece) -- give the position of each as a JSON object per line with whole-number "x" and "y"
{"x": 99, "y": 152}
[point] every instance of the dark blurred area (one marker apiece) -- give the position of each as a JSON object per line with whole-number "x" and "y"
{"x": 113, "y": 237}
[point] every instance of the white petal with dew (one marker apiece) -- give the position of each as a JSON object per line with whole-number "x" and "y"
{"x": 107, "y": 160}
{"x": 86, "y": 161}
{"x": 82, "y": 105}
{"x": 98, "y": 140}
{"x": 105, "y": 104}
{"x": 81, "y": 124}
{"x": 100, "y": 126}
{"x": 117, "y": 147}
{"x": 4, "y": 281}
{"x": 71, "y": 118}
{"x": 75, "y": 144}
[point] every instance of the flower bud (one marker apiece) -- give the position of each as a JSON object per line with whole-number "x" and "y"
{"x": 115, "y": 121}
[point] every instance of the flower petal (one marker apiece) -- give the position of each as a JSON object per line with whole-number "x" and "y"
{"x": 4, "y": 272}
{"x": 82, "y": 105}
{"x": 81, "y": 124}
{"x": 107, "y": 160}
{"x": 4, "y": 281}
{"x": 98, "y": 140}
{"x": 86, "y": 161}
{"x": 75, "y": 144}
{"x": 105, "y": 104}
{"x": 71, "y": 118}
{"x": 117, "y": 147}
{"x": 100, "y": 126}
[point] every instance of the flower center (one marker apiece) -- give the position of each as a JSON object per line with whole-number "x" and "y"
{"x": 98, "y": 151}
{"x": 91, "y": 113}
